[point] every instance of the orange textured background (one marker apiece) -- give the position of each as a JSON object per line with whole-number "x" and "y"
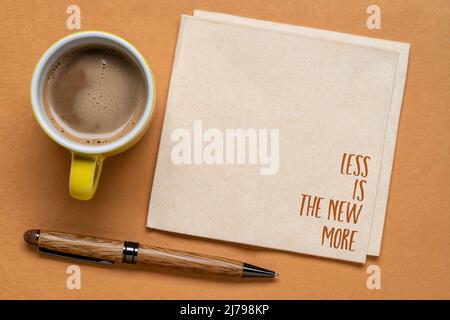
{"x": 415, "y": 257}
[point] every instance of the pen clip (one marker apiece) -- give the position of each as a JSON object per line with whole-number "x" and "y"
{"x": 75, "y": 256}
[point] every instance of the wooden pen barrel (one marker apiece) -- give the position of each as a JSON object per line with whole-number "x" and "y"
{"x": 149, "y": 255}
{"x": 112, "y": 250}
{"x": 75, "y": 244}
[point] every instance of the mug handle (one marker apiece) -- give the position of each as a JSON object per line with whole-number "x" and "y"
{"x": 84, "y": 175}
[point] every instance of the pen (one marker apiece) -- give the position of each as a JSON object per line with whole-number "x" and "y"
{"x": 107, "y": 251}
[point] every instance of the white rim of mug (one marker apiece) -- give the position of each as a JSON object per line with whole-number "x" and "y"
{"x": 38, "y": 105}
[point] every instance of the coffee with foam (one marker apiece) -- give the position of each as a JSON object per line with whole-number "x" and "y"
{"x": 94, "y": 95}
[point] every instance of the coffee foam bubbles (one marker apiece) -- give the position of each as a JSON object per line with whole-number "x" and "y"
{"x": 94, "y": 95}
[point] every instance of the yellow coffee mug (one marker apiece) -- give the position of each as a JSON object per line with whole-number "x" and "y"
{"x": 87, "y": 160}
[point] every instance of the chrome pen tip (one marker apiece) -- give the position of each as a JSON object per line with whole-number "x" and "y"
{"x": 251, "y": 271}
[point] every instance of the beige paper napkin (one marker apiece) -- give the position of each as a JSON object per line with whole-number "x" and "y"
{"x": 327, "y": 94}
{"x": 393, "y": 118}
